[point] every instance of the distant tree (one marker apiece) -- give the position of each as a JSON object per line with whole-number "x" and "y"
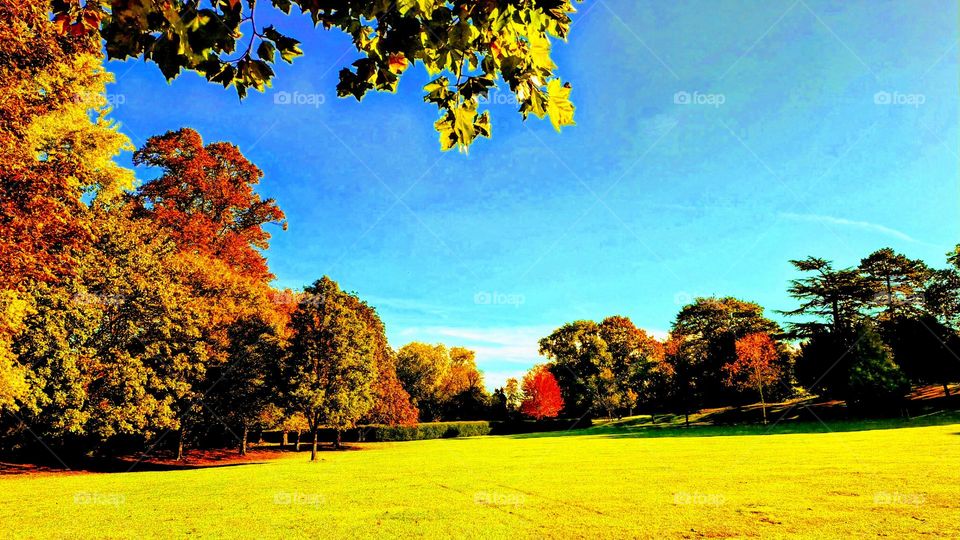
{"x": 685, "y": 366}
{"x": 541, "y": 393}
{"x": 422, "y": 369}
{"x": 637, "y": 360}
{"x": 513, "y": 394}
{"x": 942, "y": 297}
{"x": 708, "y": 330}
{"x": 606, "y": 391}
{"x": 578, "y": 354}
{"x": 875, "y": 380}
{"x": 823, "y": 365}
{"x": 924, "y": 348}
{"x": 835, "y": 296}
{"x": 757, "y": 365}
{"x": 331, "y": 367}
{"x": 391, "y": 404}
{"x": 896, "y": 281}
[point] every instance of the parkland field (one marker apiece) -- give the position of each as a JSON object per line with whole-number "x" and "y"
{"x": 607, "y": 481}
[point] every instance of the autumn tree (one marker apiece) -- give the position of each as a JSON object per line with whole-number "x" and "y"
{"x": 757, "y": 365}
{"x": 465, "y": 46}
{"x": 56, "y": 145}
{"x": 541, "y": 393}
{"x": 205, "y": 198}
{"x": 637, "y": 360}
{"x": 708, "y": 329}
{"x": 331, "y": 366}
{"x": 422, "y": 369}
{"x": 391, "y": 403}
{"x": 513, "y": 394}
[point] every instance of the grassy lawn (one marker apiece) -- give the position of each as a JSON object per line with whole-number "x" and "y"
{"x": 608, "y": 481}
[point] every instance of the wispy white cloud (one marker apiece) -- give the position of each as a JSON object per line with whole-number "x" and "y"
{"x": 843, "y": 222}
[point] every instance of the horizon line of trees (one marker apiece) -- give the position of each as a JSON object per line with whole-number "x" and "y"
{"x": 862, "y": 334}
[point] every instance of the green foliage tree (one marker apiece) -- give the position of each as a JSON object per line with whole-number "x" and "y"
{"x": 467, "y": 46}
{"x": 875, "y": 380}
{"x": 708, "y": 329}
{"x": 331, "y": 366}
{"x": 578, "y": 356}
{"x": 896, "y": 281}
{"x": 423, "y": 369}
{"x": 836, "y": 296}
{"x": 246, "y": 386}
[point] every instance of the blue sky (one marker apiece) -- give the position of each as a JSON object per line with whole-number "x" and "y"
{"x": 715, "y": 141}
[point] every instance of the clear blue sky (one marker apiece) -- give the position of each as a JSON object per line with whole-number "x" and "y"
{"x": 647, "y": 202}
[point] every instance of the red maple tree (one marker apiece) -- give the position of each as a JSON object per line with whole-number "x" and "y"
{"x": 541, "y": 392}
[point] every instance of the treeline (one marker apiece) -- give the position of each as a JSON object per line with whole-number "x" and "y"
{"x": 862, "y": 334}
{"x": 141, "y": 317}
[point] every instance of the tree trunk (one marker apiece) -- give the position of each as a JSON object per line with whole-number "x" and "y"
{"x": 763, "y": 405}
{"x": 336, "y": 443}
{"x": 313, "y": 449}
{"x": 946, "y": 389}
{"x": 284, "y": 442}
{"x": 298, "y": 440}
{"x": 180, "y": 437}
{"x": 243, "y": 442}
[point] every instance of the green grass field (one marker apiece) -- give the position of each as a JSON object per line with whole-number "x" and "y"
{"x": 608, "y": 481}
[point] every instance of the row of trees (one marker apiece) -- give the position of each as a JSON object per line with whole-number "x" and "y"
{"x": 143, "y": 315}
{"x": 862, "y": 334}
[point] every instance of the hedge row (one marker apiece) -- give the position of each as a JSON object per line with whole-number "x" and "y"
{"x": 437, "y": 430}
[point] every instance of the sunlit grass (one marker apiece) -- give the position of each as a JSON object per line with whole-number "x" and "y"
{"x": 607, "y": 481}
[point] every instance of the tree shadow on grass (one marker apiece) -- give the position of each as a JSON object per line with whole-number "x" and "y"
{"x": 800, "y": 420}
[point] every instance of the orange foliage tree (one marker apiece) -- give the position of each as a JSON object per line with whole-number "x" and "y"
{"x": 205, "y": 197}
{"x": 756, "y": 366}
{"x": 541, "y": 392}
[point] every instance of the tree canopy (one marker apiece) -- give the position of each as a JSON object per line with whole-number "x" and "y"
{"x": 467, "y": 46}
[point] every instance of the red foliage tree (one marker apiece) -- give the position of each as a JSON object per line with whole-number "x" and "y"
{"x": 541, "y": 392}
{"x": 205, "y": 198}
